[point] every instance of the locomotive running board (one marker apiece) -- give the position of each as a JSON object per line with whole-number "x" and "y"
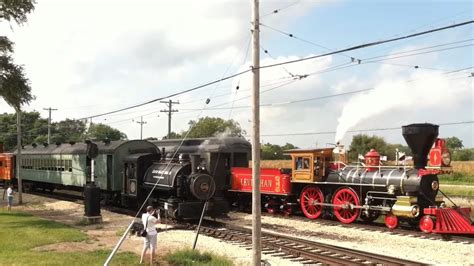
{"x": 351, "y": 206}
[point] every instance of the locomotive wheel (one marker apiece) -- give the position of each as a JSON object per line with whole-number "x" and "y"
{"x": 272, "y": 206}
{"x": 427, "y": 224}
{"x": 346, "y": 197}
{"x": 286, "y": 208}
{"x": 391, "y": 221}
{"x": 309, "y": 196}
{"x": 373, "y": 215}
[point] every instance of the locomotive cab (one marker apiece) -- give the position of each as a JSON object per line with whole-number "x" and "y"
{"x": 309, "y": 165}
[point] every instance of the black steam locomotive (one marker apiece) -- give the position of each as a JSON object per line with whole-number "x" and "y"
{"x": 184, "y": 175}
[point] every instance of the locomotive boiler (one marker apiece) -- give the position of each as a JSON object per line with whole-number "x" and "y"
{"x": 183, "y": 186}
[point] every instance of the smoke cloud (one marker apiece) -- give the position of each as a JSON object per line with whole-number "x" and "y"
{"x": 425, "y": 89}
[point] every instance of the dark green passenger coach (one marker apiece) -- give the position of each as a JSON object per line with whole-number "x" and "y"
{"x": 66, "y": 164}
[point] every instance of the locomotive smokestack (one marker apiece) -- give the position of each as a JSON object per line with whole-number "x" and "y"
{"x": 194, "y": 163}
{"x": 420, "y": 138}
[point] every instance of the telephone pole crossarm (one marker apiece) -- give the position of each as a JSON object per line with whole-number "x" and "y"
{"x": 49, "y": 122}
{"x": 170, "y": 111}
{"x": 141, "y": 122}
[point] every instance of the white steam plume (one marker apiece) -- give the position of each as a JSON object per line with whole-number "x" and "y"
{"x": 427, "y": 88}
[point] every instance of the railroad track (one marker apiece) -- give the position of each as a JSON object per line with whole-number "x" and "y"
{"x": 378, "y": 227}
{"x": 300, "y": 250}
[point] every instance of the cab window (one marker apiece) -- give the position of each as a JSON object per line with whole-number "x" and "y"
{"x": 302, "y": 163}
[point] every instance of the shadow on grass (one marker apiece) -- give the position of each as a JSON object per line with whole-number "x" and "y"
{"x": 22, "y": 220}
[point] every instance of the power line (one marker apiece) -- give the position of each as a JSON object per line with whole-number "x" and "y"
{"x": 285, "y": 63}
{"x": 291, "y": 35}
{"x": 356, "y": 130}
{"x": 390, "y": 57}
{"x": 369, "y": 44}
{"x": 217, "y": 107}
{"x": 275, "y": 11}
{"x": 169, "y": 96}
{"x": 291, "y": 102}
{"x": 420, "y": 49}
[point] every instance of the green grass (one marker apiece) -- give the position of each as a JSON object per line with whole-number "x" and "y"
{"x": 189, "y": 257}
{"x": 464, "y": 191}
{"x": 20, "y": 233}
{"x": 120, "y": 232}
{"x": 457, "y": 179}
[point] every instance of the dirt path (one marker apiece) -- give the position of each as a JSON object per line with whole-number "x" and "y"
{"x": 106, "y": 235}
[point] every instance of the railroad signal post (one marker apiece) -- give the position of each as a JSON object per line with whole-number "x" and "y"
{"x": 91, "y": 191}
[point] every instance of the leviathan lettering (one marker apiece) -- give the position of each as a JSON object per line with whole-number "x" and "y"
{"x": 264, "y": 183}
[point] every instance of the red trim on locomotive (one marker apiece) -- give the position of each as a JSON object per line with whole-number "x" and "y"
{"x": 272, "y": 181}
{"x": 448, "y": 220}
{"x": 439, "y": 154}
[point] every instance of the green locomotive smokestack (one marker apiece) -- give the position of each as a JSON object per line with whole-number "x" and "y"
{"x": 420, "y": 138}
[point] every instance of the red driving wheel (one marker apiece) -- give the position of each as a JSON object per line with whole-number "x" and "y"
{"x": 309, "y": 196}
{"x": 391, "y": 221}
{"x": 427, "y": 224}
{"x": 346, "y": 197}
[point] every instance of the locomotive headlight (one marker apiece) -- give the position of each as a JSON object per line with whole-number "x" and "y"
{"x": 446, "y": 157}
{"x": 415, "y": 211}
{"x": 434, "y": 185}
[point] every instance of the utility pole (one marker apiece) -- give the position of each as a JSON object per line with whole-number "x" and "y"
{"x": 169, "y": 111}
{"x": 141, "y": 126}
{"x": 18, "y": 155}
{"x": 256, "y": 199}
{"x": 49, "y": 122}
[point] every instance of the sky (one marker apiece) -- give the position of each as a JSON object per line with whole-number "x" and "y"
{"x": 89, "y": 57}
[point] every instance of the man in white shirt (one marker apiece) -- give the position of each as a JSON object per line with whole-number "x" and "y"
{"x": 10, "y": 197}
{"x": 149, "y": 221}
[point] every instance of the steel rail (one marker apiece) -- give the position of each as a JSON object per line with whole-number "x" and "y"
{"x": 302, "y": 250}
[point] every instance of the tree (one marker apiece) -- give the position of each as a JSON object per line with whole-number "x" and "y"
{"x": 101, "y": 132}
{"x": 454, "y": 143}
{"x": 68, "y": 130}
{"x": 275, "y": 152}
{"x": 14, "y": 86}
{"x": 362, "y": 143}
{"x": 173, "y": 135}
{"x": 213, "y": 127}
{"x": 463, "y": 155}
{"x": 33, "y": 127}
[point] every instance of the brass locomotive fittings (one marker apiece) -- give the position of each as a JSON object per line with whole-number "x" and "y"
{"x": 406, "y": 206}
